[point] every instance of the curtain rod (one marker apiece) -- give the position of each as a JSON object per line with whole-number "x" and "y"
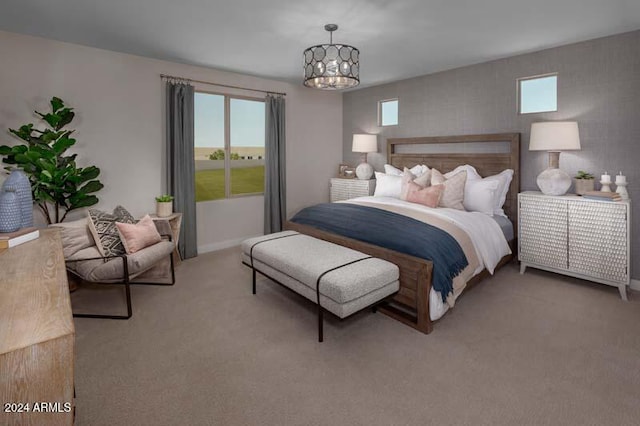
{"x": 173, "y": 77}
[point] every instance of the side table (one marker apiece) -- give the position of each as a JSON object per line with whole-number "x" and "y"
{"x": 175, "y": 221}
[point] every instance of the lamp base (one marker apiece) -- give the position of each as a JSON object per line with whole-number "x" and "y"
{"x": 364, "y": 171}
{"x": 553, "y": 181}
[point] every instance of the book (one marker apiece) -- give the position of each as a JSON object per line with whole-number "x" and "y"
{"x": 593, "y": 197}
{"x": 601, "y": 194}
{"x": 12, "y": 239}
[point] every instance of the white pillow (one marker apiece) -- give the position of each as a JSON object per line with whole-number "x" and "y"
{"x": 417, "y": 170}
{"x": 472, "y": 173}
{"x": 387, "y": 185}
{"x": 393, "y": 171}
{"x": 480, "y": 195}
{"x": 503, "y": 178}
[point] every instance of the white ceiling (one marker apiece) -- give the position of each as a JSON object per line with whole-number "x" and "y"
{"x": 397, "y": 39}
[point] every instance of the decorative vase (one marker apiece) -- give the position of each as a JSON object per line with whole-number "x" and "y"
{"x": 19, "y": 180}
{"x": 10, "y": 214}
{"x": 164, "y": 209}
{"x": 584, "y": 185}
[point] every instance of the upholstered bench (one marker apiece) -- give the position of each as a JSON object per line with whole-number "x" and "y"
{"x": 338, "y": 279}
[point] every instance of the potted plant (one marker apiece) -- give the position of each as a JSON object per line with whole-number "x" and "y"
{"x": 164, "y": 205}
{"x": 584, "y": 182}
{"x": 58, "y": 185}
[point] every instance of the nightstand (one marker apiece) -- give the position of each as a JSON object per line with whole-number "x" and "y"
{"x": 344, "y": 189}
{"x": 575, "y": 236}
{"x": 175, "y": 221}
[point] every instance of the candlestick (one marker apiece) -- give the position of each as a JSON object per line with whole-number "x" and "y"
{"x": 621, "y": 186}
{"x": 605, "y": 181}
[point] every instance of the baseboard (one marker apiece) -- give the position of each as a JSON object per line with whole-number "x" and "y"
{"x": 206, "y": 248}
{"x": 634, "y": 285}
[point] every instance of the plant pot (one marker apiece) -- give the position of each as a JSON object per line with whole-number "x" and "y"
{"x": 164, "y": 209}
{"x": 584, "y": 185}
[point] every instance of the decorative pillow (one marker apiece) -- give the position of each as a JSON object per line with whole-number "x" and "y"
{"x": 387, "y": 185}
{"x": 429, "y": 196}
{"x": 424, "y": 179}
{"x": 75, "y": 236}
{"x": 408, "y": 177}
{"x": 137, "y": 236}
{"x": 417, "y": 170}
{"x": 103, "y": 228}
{"x": 453, "y": 195}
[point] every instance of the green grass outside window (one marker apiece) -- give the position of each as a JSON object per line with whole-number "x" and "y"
{"x": 210, "y": 183}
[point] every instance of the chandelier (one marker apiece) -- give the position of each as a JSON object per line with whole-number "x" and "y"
{"x": 331, "y": 66}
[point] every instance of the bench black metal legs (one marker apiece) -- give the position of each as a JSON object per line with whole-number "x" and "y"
{"x": 320, "y": 308}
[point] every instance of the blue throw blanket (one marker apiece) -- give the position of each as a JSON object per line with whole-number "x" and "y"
{"x": 392, "y": 231}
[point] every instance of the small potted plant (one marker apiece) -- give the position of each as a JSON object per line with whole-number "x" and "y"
{"x": 164, "y": 205}
{"x": 584, "y": 182}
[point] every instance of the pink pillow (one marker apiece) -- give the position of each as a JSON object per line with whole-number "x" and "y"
{"x": 407, "y": 177}
{"x": 139, "y": 235}
{"x": 429, "y": 196}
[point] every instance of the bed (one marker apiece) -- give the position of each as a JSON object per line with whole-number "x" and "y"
{"x": 415, "y": 303}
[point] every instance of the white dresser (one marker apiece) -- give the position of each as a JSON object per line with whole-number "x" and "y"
{"x": 574, "y": 236}
{"x": 344, "y": 189}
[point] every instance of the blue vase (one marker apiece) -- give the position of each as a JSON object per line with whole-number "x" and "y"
{"x": 10, "y": 215}
{"x": 19, "y": 180}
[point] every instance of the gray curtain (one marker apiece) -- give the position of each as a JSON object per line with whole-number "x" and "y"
{"x": 275, "y": 190}
{"x": 180, "y": 166}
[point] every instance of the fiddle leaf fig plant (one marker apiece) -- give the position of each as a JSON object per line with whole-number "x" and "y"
{"x": 57, "y": 183}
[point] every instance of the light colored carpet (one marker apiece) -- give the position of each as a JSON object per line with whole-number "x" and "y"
{"x": 533, "y": 349}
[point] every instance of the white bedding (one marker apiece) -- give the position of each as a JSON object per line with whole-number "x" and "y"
{"x": 485, "y": 234}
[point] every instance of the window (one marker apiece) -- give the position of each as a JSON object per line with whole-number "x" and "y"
{"x": 388, "y": 112}
{"x": 538, "y": 94}
{"x": 229, "y": 146}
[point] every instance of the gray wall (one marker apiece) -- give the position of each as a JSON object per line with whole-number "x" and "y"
{"x": 598, "y": 86}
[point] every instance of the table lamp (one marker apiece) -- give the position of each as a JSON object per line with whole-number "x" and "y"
{"x": 364, "y": 143}
{"x": 554, "y": 137}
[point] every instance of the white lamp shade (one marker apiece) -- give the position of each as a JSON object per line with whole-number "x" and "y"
{"x": 554, "y": 136}
{"x": 365, "y": 143}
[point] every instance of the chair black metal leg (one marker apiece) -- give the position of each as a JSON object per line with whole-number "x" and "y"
{"x": 127, "y": 283}
{"x": 254, "y": 281}
{"x": 127, "y": 290}
{"x": 173, "y": 272}
{"x": 320, "y": 322}
{"x": 120, "y": 317}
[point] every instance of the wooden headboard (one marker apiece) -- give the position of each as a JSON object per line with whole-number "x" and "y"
{"x": 486, "y": 163}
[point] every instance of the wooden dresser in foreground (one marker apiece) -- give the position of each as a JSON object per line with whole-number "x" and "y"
{"x": 37, "y": 335}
